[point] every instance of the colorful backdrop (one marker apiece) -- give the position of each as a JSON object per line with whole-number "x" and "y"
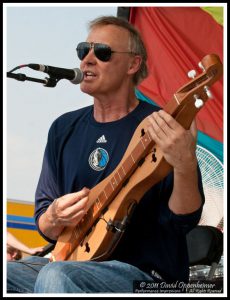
{"x": 177, "y": 38}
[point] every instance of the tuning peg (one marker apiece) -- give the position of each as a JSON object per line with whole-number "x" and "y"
{"x": 192, "y": 74}
{"x": 208, "y": 92}
{"x": 199, "y": 102}
{"x": 201, "y": 66}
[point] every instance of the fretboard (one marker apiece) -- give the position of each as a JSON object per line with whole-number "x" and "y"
{"x": 121, "y": 176}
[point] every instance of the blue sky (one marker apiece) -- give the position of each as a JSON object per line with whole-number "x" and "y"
{"x": 49, "y": 36}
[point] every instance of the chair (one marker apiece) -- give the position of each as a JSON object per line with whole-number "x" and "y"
{"x": 205, "y": 247}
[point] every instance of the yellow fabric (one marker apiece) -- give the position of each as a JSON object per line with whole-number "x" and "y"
{"x": 29, "y": 237}
{"x": 215, "y": 12}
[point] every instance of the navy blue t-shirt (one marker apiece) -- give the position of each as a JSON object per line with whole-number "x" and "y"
{"x": 81, "y": 152}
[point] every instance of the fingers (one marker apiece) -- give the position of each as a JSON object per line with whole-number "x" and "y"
{"x": 163, "y": 126}
{"x": 77, "y": 208}
{"x": 72, "y": 198}
{"x": 70, "y": 208}
{"x": 175, "y": 142}
{"x": 35, "y": 250}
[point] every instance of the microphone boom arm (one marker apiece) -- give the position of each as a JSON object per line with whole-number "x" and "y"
{"x": 48, "y": 82}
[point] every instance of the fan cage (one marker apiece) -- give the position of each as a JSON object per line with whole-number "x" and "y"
{"x": 212, "y": 178}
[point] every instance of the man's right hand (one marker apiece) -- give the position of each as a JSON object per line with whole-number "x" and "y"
{"x": 65, "y": 211}
{"x": 69, "y": 209}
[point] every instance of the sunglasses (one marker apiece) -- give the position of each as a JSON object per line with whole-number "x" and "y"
{"x": 102, "y": 51}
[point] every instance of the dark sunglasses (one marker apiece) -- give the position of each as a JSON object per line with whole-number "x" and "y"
{"x": 101, "y": 51}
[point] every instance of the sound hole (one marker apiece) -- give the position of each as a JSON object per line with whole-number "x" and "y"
{"x": 87, "y": 248}
{"x": 142, "y": 132}
{"x": 154, "y": 158}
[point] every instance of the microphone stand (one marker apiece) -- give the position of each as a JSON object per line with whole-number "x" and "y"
{"x": 49, "y": 82}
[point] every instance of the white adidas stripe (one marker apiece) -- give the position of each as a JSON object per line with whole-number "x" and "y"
{"x": 102, "y": 139}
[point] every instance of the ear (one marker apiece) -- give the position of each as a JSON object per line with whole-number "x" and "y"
{"x": 135, "y": 64}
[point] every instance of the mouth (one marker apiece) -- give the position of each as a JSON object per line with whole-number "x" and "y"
{"x": 89, "y": 75}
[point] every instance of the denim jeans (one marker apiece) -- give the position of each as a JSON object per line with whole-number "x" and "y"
{"x": 38, "y": 275}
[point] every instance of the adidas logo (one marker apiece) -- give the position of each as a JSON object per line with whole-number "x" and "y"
{"x": 102, "y": 139}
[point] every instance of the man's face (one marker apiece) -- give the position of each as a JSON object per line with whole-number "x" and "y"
{"x": 101, "y": 78}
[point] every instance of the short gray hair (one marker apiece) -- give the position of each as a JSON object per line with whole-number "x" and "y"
{"x": 136, "y": 43}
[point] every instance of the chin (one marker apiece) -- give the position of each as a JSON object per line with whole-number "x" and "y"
{"x": 87, "y": 90}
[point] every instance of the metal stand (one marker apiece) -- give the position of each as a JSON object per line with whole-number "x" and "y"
{"x": 48, "y": 82}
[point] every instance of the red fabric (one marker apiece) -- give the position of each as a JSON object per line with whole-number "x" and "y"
{"x": 177, "y": 38}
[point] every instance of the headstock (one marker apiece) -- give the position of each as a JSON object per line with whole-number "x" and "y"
{"x": 199, "y": 87}
{"x": 190, "y": 98}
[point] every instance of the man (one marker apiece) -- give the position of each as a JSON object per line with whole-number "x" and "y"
{"x": 85, "y": 146}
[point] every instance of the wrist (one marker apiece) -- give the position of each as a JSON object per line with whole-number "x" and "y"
{"x": 186, "y": 169}
{"x": 51, "y": 215}
{"x": 48, "y": 223}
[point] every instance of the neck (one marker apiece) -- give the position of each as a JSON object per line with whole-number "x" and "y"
{"x": 110, "y": 109}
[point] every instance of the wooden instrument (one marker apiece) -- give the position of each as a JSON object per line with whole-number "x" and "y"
{"x": 112, "y": 201}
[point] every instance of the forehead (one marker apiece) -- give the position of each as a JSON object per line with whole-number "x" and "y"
{"x": 109, "y": 34}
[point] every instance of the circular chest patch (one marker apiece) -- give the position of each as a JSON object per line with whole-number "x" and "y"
{"x": 98, "y": 159}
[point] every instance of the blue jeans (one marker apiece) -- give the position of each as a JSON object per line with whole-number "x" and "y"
{"x": 38, "y": 275}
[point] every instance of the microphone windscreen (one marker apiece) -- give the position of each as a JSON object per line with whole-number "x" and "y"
{"x": 78, "y": 76}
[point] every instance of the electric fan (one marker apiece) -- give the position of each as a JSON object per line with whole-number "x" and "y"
{"x": 212, "y": 177}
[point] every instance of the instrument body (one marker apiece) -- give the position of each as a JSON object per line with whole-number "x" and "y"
{"x": 112, "y": 201}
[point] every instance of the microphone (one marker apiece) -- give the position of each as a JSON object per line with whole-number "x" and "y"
{"x": 74, "y": 75}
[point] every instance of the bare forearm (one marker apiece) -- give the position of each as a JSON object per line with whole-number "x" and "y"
{"x": 14, "y": 242}
{"x": 179, "y": 149}
{"x": 186, "y": 196}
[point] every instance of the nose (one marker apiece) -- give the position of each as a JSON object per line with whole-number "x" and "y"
{"x": 90, "y": 58}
